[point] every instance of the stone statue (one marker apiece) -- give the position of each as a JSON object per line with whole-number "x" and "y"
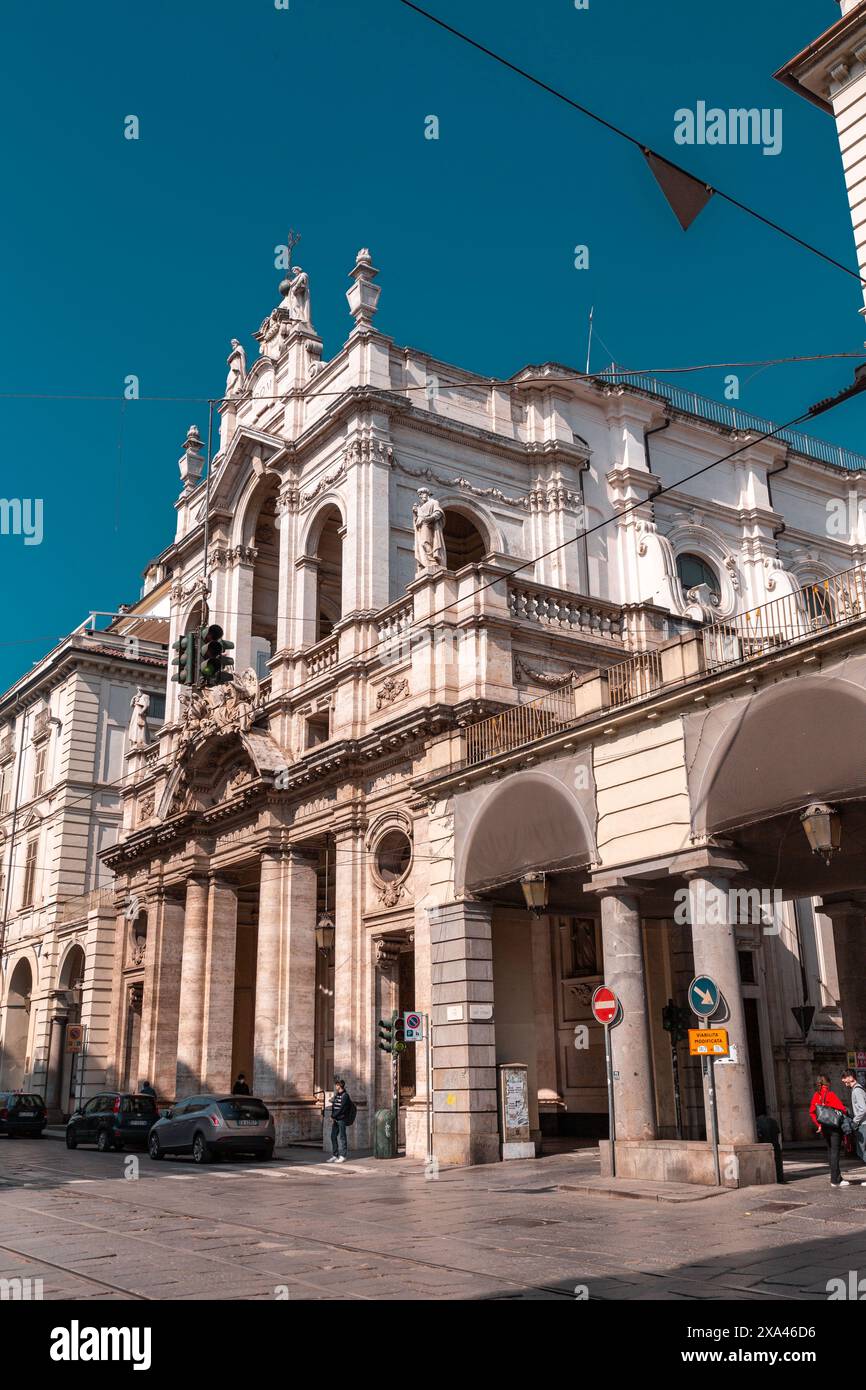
{"x": 429, "y": 521}
{"x": 139, "y": 705}
{"x": 237, "y": 364}
{"x": 296, "y": 295}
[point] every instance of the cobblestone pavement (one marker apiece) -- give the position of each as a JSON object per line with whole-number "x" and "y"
{"x": 299, "y": 1228}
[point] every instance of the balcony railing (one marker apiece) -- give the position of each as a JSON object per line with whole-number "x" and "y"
{"x": 817, "y": 608}
{"x": 322, "y": 657}
{"x": 83, "y": 903}
{"x": 564, "y": 612}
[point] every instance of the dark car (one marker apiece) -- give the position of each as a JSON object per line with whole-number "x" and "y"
{"x": 22, "y": 1115}
{"x": 111, "y": 1120}
{"x": 212, "y": 1127}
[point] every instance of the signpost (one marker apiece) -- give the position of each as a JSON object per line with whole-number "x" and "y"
{"x": 416, "y": 1028}
{"x": 704, "y": 999}
{"x": 606, "y": 1011}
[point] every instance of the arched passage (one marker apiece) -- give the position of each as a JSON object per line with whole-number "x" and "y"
{"x": 530, "y": 822}
{"x": 16, "y": 1035}
{"x": 464, "y": 542}
{"x": 66, "y": 1082}
{"x": 329, "y": 572}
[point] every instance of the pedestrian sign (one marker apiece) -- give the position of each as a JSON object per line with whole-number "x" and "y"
{"x": 708, "y": 1042}
{"x": 704, "y": 996}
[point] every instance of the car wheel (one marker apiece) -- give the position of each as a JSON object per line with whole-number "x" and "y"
{"x": 200, "y": 1150}
{"x": 103, "y": 1141}
{"x": 153, "y": 1147}
{"x": 71, "y": 1139}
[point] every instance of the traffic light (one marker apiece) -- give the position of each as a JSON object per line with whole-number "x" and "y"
{"x": 399, "y": 1034}
{"x": 215, "y": 666}
{"x": 386, "y": 1033}
{"x": 185, "y": 660}
{"x": 675, "y": 1020}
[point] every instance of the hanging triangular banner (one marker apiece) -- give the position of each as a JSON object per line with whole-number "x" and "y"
{"x": 686, "y": 195}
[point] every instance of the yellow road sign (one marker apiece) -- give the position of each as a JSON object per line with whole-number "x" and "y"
{"x": 74, "y": 1037}
{"x": 708, "y": 1042}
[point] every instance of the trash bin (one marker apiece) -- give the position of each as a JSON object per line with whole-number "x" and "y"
{"x": 384, "y": 1138}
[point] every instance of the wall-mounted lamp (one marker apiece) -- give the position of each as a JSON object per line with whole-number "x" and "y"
{"x": 535, "y": 892}
{"x": 823, "y": 829}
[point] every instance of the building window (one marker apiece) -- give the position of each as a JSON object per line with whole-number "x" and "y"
{"x": 156, "y": 708}
{"x": 693, "y": 571}
{"x": 318, "y": 728}
{"x": 5, "y": 789}
{"x": 39, "y": 770}
{"x": 29, "y": 874}
{"x": 393, "y": 856}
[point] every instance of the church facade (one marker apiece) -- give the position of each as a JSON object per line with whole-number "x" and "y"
{"x": 401, "y": 553}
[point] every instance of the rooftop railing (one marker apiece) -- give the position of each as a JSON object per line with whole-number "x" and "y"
{"x": 741, "y": 420}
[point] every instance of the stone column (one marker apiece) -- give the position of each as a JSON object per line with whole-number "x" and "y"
{"x": 714, "y": 940}
{"x": 354, "y": 1001}
{"x": 631, "y": 1052}
{"x": 219, "y": 985}
{"x": 58, "y": 1020}
{"x": 849, "y": 943}
{"x": 465, "y": 1120}
{"x": 160, "y": 1010}
{"x": 285, "y": 1007}
{"x": 549, "y": 1097}
{"x": 188, "y": 1068}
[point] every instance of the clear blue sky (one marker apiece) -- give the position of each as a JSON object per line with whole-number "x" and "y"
{"x": 147, "y": 256}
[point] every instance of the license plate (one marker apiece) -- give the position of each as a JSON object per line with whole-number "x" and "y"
{"x": 138, "y": 1122}
{"x": 247, "y": 1122}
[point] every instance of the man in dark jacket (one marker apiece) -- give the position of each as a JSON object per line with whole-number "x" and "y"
{"x": 240, "y": 1088}
{"x": 341, "y": 1109}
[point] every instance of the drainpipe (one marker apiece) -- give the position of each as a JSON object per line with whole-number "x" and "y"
{"x": 771, "y": 473}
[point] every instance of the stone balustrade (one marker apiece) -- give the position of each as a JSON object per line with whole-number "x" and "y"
{"x": 571, "y": 613}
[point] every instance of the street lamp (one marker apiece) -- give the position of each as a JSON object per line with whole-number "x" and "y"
{"x": 535, "y": 892}
{"x": 823, "y": 829}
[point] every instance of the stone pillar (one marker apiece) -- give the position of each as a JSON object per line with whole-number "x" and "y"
{"x": 849, "y": 943}
{"x": 160, "y": 1010}
{"x": 219, "y": 985}
{"x": 354, "y": 998}
{"x": 631, "y": 1052}
{"x": 416, "y": 1110}
{"x": 188, "y": 1068}
{"x": 285, "y": 1006}
{"x": 465, "y": 1120}
{"x": 58, "y": 1020}
{"x": 714, "y": 941}
{"x": 549, "y": 1097}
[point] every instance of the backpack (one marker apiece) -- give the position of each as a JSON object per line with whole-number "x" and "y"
{"x": 351, "y": 1111}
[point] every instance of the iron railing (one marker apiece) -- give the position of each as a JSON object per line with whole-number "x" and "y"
{"x": 520, "y": 724}
{"x": 630, "y": 680}
{"x": 729, "y": 417}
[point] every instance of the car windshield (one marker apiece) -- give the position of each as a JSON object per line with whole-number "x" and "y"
{"x": 242, "y": 1108}
{"x": 139, "y": 1105}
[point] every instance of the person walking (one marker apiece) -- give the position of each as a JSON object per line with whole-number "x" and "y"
{"x": 342, "y": 1115}
{"x": 240, "y": 1088}
{"x": 770, "y": 1133}
{"x": 858, "y": 1110}
{"x": 827, "y": 1112}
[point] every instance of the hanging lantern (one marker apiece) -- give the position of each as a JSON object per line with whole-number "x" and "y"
{"x": 535, "y": 892}
{"x": 823, "y": 829}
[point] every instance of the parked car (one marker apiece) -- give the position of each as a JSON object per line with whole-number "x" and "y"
{"x": 21, "y": 1114}
{"x": 111, "y": 1120}
{"x": 213, "y": 1127}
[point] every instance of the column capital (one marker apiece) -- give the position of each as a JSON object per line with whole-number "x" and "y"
{"x": 710, "y": 861}
{"x": 614, "y": 886}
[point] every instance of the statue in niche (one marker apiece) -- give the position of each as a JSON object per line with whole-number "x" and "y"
{"x": 237, "y": 364}
{"x": 429, "y": 520}
{"x": 138, "y": 705}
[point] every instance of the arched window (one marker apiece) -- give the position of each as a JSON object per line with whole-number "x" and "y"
{"x": 464, "y": 543}
{"x": 329, "y": 583}
{"x": 266, "y": 575}
{"x": 693, "y": 570}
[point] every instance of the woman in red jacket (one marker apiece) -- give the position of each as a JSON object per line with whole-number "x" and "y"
{"x": 832, "y": 1136}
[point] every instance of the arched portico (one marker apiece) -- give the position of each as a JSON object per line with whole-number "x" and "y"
{"x": 18, "y": 1023}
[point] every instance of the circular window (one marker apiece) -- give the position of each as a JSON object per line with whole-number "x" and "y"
{"x": 692, "y": 571}
{"x": 393, "y": 856}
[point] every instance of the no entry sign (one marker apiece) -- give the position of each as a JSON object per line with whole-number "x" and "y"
{"x": 604, "y": 1005}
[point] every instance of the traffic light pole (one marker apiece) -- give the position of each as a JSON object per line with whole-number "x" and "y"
{"x": 675, "y": 1067}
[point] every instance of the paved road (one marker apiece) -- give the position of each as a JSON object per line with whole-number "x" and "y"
{"x": 118, "y": 1226}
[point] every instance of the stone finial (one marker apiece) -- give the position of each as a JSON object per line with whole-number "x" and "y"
{"x": 363, "y": 297}
{"x": 191, "y": 461}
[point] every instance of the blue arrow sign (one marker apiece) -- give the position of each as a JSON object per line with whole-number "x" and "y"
{"x": 703, "y": 996}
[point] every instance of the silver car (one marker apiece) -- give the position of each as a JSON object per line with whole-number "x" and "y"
{"x": 213, "y": 1126}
